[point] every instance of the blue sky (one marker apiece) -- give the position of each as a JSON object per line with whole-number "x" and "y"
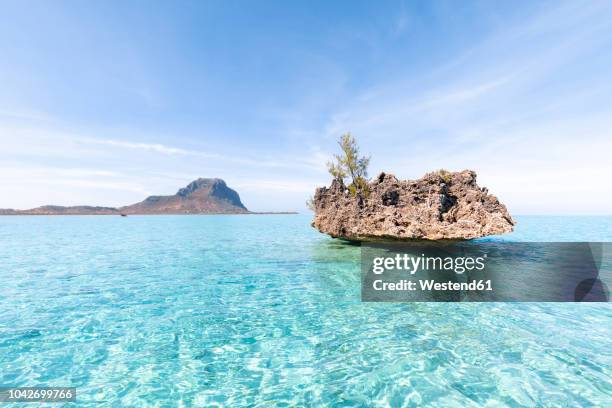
{"x": 107, "y": 102}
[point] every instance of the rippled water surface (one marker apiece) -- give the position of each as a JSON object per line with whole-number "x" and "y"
{"x": 264, "y": 311}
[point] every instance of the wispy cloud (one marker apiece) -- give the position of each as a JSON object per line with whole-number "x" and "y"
{"x": 37, "y": 185}
{"x": 25, "y": 114}
{"x": 288, "y": 186}
{"x": 153, "y": 147}
{"x": 36, "y": 171}
{"x": 301, "y": 161}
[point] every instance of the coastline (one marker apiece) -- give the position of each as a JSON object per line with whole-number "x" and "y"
{"x": 21, "y": 214}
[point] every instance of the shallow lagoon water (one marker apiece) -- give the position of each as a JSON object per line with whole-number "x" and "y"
{"x": 264, "y": 311}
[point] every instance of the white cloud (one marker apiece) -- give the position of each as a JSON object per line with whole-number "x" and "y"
{"x": 154, "y": 147}
{"x": 289, "y": 186}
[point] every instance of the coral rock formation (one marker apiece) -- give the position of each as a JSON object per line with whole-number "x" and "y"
{"x": 441, "y": 205}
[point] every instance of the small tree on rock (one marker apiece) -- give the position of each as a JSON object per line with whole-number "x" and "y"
{"x": 349, "y": 163}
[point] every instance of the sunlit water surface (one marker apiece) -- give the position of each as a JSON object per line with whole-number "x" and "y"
{"x": 264, "y": 311}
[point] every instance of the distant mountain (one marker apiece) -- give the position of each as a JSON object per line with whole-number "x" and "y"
{"x": 202, "y": 196}
{"x": 59, "y": 210}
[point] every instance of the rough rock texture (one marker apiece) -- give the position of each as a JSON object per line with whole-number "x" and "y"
{"x": 202, "y": 196}
{"x": 441, "y": 205}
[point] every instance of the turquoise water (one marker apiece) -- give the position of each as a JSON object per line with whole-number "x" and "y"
{"x": 264, "y": 311}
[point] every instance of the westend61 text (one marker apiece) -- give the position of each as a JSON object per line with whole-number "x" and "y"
{"x": 429, "y": 285}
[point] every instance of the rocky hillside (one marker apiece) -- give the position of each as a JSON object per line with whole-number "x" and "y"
{"x": 441, "y": 205}
{"x": 202, "y": 196}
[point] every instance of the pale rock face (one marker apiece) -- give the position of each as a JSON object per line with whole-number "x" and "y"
{"x": 437, "y": 206}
